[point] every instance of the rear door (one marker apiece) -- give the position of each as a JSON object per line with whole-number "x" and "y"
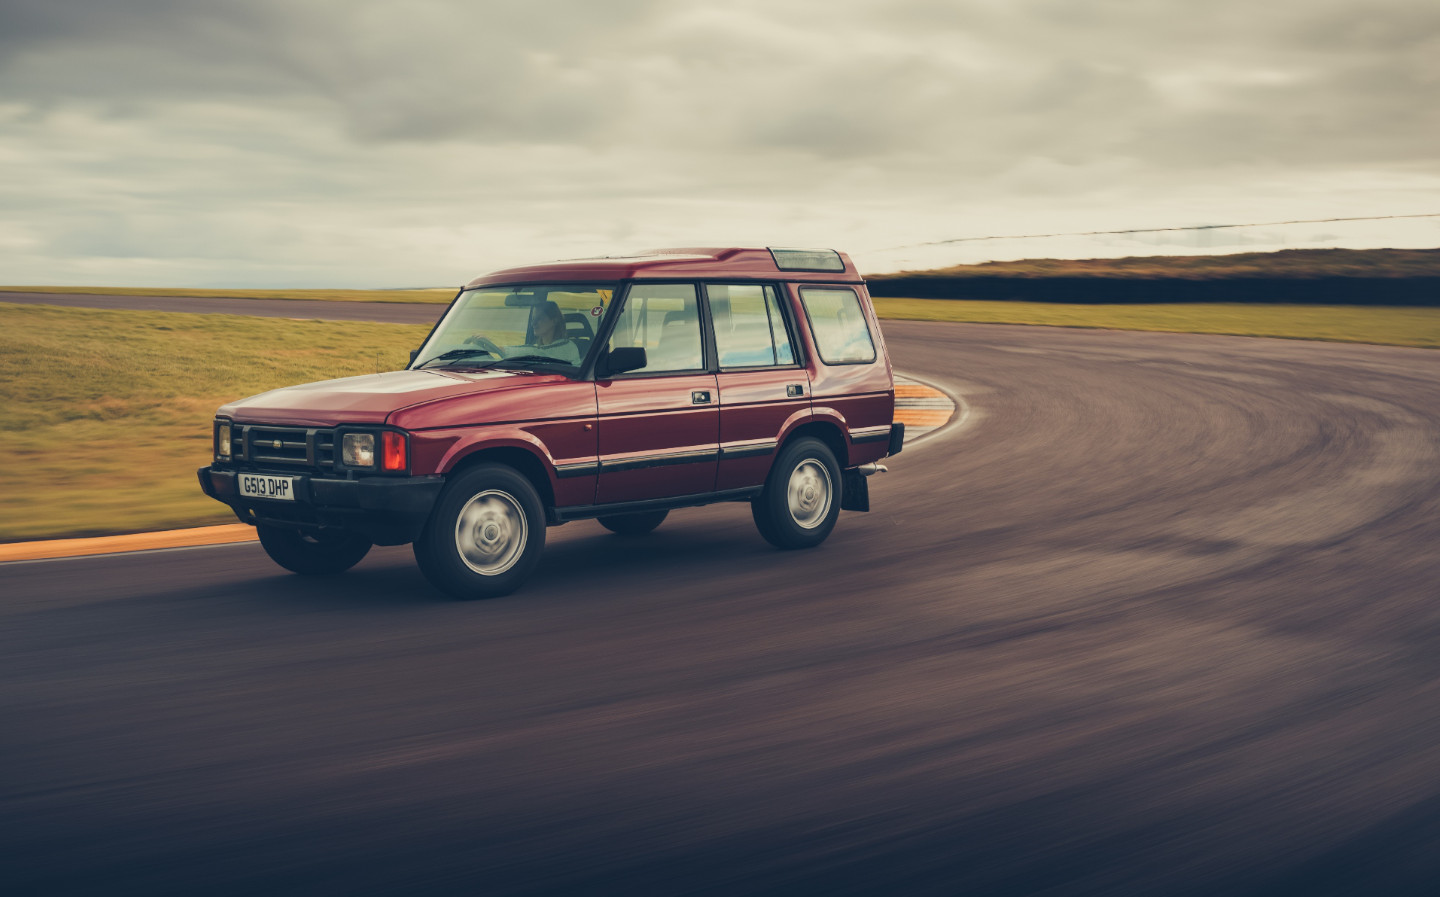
{"x": 659, "y": 427}
{"x": 762, "y": 384}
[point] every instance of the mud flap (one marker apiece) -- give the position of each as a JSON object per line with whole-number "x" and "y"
{"x": 854, "y": 491}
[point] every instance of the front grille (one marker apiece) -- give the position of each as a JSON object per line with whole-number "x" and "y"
{"x": 288, "y": 448}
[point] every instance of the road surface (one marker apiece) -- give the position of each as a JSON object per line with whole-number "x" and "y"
{"x": 1161, "y": 617}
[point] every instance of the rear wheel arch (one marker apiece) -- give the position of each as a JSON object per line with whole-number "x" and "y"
{"x": 826, "y": 432}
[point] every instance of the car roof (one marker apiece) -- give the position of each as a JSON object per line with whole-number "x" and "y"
{"x": 673, "y": 264}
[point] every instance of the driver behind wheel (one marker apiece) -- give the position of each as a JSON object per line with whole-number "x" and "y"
{"x": 548, "y": 327}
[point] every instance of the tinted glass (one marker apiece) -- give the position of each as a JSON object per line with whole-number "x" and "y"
{"x": 539, "y": 323}
{"x": 807, "y": 260}
{"x": 749, "y": 331}
{"x": 784, "y": 352}
{"x": 841, "y": 334}
{"x": 664, "y": 320}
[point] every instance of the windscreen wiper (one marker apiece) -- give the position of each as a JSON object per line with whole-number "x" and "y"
{"x": 529, "y": 359}
{"x": 454, "y": 354}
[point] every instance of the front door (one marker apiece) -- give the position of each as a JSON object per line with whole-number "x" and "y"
{"x": 659, "y": 427}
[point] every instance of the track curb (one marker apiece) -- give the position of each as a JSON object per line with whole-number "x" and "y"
{"x": 192, "y": 537}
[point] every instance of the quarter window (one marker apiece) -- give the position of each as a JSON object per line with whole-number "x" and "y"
{"x": 749, "y": 331}
{"x": 664, "y": 320}
{"x": 841, "y": 334}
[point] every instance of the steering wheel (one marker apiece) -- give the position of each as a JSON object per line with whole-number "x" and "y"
{"x": 484, "y": 343}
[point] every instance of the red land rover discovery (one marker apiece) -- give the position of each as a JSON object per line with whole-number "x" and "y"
{"x": 615, "y": 388}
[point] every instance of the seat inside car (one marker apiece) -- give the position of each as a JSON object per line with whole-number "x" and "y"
{"x": 578, "y": 331}
{"x": 678, "y": 348}
{"x": 742, "y": 341}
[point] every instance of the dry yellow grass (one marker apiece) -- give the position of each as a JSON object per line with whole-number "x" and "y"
{"x": 104, "y": 415}
{"x": 436, "y": 295}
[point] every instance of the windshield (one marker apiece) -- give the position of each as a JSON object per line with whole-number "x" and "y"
{"x": 551, "y": 325}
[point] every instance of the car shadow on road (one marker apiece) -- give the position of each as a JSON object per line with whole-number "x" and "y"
{"x": 589, "y": 562}
{"x": 688, "y": 552}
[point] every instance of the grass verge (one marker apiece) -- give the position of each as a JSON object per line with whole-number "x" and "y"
{"x": 1338, "y": 323}
{"x": 104, "y": 415}
{"x": 437, "y": 295}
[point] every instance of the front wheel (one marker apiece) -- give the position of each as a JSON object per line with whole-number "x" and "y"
{"x": 485, "y": 535}
{"x": 801, "y": 500}
{"x": 320, "y": 554}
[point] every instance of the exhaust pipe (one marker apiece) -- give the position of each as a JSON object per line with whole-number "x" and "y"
{"x": 869, "y": 470}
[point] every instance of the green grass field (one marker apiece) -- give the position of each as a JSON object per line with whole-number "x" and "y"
{"x": 436, "y": 295}
{"x": 104, "y": 415}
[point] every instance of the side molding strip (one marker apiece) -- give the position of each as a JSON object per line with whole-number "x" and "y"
{"x": 870, "y": 434}
{"x": 649, "y": 461}
{"x": 748, "y": 449}
{"x": 578, "y": 469}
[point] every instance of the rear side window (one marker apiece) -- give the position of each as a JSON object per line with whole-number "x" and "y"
{"x": 841, "y": 334}
{"x": 749, "y": 331}
{"x": 664, "y": 320}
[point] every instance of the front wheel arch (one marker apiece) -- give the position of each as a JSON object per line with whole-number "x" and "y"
{"x": 527, "y": 463}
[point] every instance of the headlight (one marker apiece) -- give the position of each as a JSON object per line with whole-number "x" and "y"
{"x": 358, "y": 450}
{"x": 222, "y": 441}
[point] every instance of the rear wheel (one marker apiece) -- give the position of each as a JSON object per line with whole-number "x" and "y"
{"x": 324, "y": 553}
{"x": 485, "y": 535}
{"x": 801, "y": 500}
{"x": 633, "y": 524}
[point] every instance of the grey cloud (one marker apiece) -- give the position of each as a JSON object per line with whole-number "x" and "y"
{"x": 617, "y": 118}
{"x": 1066, "y": 80}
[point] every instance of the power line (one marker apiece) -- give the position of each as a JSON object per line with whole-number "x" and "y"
{"x": 1154, "y": 230}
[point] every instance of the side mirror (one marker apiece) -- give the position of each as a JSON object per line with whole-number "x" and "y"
{"x": 414, "y": 354}
{"x": 627, "y": 358}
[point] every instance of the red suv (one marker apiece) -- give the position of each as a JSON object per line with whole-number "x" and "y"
{"x": 614, "y": 388}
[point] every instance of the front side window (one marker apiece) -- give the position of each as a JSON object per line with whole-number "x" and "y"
{"x": 749, "y": 331}
{"x": 841, "y": 334}
{"x": 664, "y": 320}
{"x": 539, "y": 324}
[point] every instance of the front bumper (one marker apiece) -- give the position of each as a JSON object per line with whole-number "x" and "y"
{"x": 385, "y": 510}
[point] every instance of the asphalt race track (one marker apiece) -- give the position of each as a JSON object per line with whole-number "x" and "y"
{"x": 1163, "y": 617}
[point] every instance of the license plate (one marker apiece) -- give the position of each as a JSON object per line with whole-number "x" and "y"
{"x": 254, "y": 485}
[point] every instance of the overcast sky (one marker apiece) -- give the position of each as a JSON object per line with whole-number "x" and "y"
{"x": 358, "y": 143}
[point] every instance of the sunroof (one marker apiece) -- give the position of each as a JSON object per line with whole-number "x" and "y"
{"x": 807, "y": 259}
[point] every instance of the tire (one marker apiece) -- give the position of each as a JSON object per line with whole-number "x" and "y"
{"x": 806, "y": 468}
{"x": 325, "y": 553}
{"x": 485, "y": 534}
{"x": 633, "y": 524}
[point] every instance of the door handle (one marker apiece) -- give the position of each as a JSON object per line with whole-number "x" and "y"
{"x": 795, "y": 389}
{"x": 700, "y": 397}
